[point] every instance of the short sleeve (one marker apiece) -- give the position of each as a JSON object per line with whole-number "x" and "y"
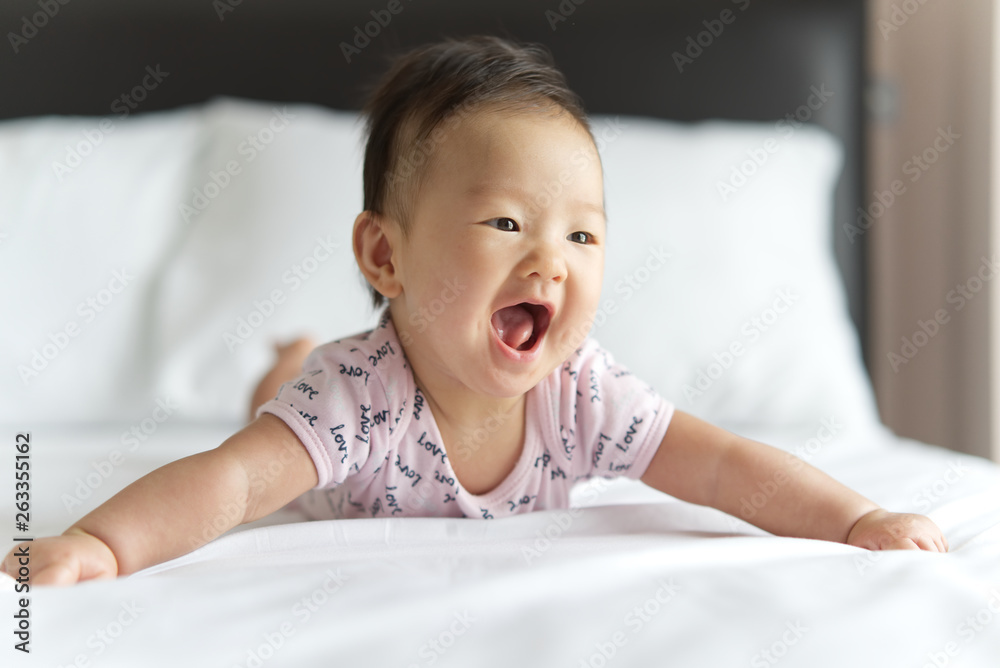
{"x": 338, "y": 409}
{"x": 618, "y": 421}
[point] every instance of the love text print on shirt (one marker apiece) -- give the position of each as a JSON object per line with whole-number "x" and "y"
{"x": 621, "y": 447}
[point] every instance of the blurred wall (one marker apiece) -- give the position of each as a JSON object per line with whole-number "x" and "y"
{"x": 928, "y": 217}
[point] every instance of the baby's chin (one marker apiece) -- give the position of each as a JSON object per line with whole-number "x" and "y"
{"x": 563, "y": 343}
{"x": 486, "y": 375}
{"x": 508, "y": 390}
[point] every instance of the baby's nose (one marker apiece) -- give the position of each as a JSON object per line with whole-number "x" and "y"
{"x": 548, "y": 263}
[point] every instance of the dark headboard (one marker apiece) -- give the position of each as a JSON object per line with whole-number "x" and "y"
{"x": 748, "y": 59}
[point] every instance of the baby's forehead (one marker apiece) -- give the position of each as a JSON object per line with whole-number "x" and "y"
{"x": 510, "y": 157}
{"x": 498, "y": 118}
{"x": 494, "y": 134}
{"x": 481, "y": 149}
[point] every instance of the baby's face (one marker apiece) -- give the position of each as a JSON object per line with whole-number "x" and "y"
{"x": 501, "y": 270}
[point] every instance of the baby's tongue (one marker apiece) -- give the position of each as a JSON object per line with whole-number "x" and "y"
{"x": 514, "y": 325}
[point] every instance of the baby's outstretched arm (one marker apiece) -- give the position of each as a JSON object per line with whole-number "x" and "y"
{"x": 178, "y": 507}
{"x": 776, "y": 491}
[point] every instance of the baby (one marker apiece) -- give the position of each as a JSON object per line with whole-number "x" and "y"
{"x": 478, "y": 394}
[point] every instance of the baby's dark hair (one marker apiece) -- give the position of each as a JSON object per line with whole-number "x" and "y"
{"x": 429, "y": 90}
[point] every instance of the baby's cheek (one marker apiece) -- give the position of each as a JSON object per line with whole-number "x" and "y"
{"x": 577, "y": 321}
{"x": 584, "y": 302}
{"x": 448, "y": 292}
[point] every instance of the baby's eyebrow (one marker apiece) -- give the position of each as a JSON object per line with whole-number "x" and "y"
{"x": 595, "y": 208}
{"x": 486, "y": 189}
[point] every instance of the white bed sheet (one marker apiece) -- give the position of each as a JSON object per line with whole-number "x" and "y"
{"x": 641, "y": 580}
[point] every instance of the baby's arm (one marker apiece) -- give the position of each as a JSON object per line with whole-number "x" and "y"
{"x": 178, "y": 507}
{"x": 776, "y": 491}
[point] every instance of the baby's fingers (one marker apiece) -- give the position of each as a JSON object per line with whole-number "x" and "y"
{"x": 882, "y": 530}
{"x": 61, "y": 560}
{"x": 927, "y": 543}
{"x": 924, "y": 534}
{"x": 924, "y": 543}
{"x": 898, "y": 543}
{"x": 59, "y": 573}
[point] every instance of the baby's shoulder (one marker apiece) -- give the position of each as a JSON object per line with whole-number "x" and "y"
{"x": 587, "y": 359}
{"x": 590, "y": 378}
{"x": 368, "y": 369}
{"x": 363, "y": 352}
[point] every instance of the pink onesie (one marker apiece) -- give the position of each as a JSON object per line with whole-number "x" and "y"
{"x": 378, "y": 452}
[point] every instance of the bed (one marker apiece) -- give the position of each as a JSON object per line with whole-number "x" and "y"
{"x": 151, "y": 258}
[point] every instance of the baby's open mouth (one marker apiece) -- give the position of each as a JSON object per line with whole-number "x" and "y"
{"x": 521, "y": 326}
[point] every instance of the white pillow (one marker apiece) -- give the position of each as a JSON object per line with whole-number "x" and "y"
{"x": 273, "y": 247}
{"x": 746, "y": 322}
{"x": 208, "y": 247}
{"x": 158, "y": 348}
{"x": 86, "y": 227}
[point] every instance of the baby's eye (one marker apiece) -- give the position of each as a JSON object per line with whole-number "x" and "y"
{"x": 503, "y": 224}
{"x": 581, "y": 237}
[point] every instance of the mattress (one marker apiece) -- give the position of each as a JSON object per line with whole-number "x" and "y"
{"x": 627, "y": 576}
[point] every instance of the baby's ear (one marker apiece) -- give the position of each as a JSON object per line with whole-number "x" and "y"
{"x": 374, "y": 240}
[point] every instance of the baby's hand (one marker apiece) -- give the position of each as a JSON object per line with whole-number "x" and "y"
{"x": 61, "y": 560}
{"x": 882, "y": 530}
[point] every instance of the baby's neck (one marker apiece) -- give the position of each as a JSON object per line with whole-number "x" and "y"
{"x": 466, "y": 417}
{"x": 483, "y": 441}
